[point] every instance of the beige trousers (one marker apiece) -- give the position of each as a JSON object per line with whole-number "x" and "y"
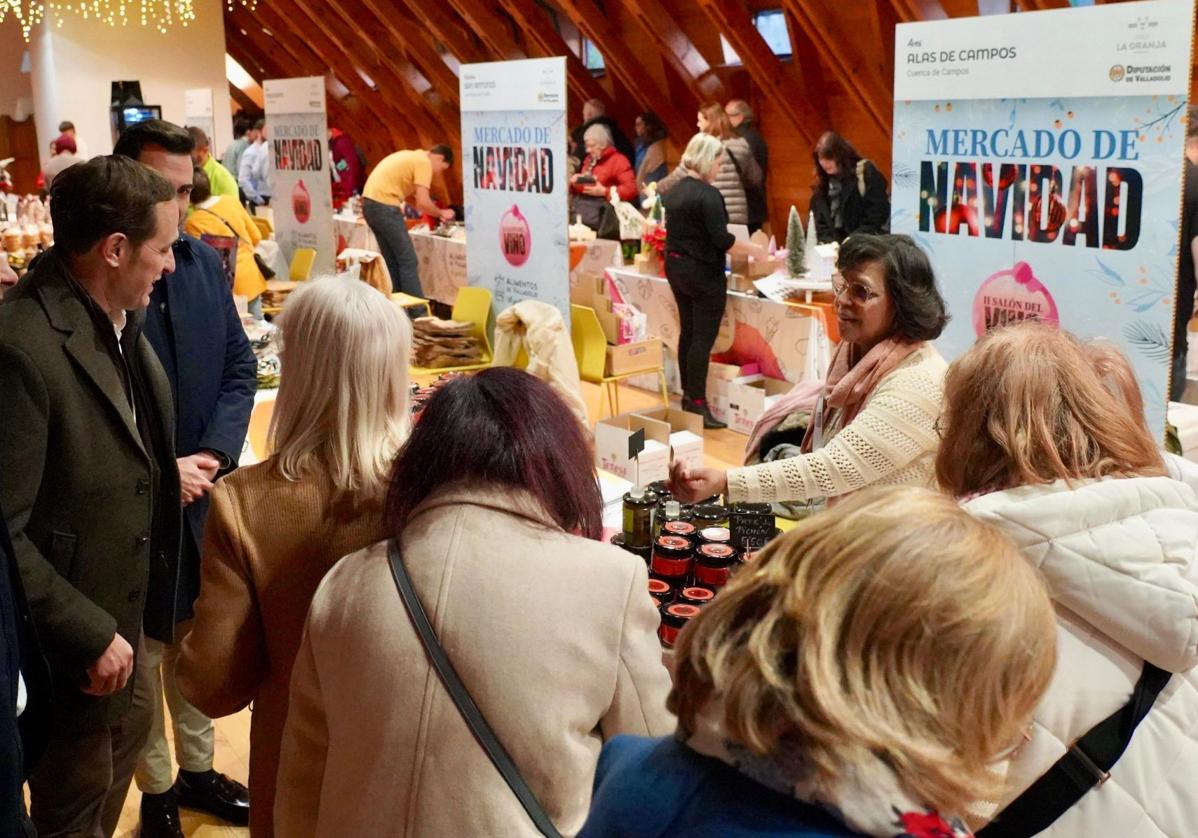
{"x": 193, "y": 730}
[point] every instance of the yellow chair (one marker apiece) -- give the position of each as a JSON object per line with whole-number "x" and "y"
{"x": 472, "y": 305}
{"x": 260, "y": 418}
{"x": 590, "y": 351}
{"x": 264, "y": 226}
{"x": 301, "y": 264}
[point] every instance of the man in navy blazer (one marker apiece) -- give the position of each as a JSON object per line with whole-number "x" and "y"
{"x": 194, "y": 328}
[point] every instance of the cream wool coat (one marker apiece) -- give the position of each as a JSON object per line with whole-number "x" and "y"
{"x": 554, "y": 636}
{"x": 1120, "y": 557}
{"x": 539, "y": 329}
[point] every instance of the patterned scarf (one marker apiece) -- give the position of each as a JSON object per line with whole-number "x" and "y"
{"x": 869, "y": 797}
{"x": 852, "y": 380}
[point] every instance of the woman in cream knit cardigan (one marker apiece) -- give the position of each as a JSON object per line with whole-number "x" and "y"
{"x": 875, "y": 422}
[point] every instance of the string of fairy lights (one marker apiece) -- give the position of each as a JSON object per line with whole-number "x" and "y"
{"x": 159, "y": 14}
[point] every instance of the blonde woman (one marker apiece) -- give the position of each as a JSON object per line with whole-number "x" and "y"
{"x": 1043, "y": 438}
{"x": 275, "y": 528}
{"x": 860, "y": 678}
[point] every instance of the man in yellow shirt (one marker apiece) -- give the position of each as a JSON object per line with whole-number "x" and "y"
{"x": 220, "y": 179}
{"x": 399, "y": 178}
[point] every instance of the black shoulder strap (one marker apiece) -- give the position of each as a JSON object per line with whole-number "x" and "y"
{"x": 1084, "y": 766}
{"x": 461, "y": 696}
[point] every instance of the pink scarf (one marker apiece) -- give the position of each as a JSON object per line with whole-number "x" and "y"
{"x": 851, "y": 381}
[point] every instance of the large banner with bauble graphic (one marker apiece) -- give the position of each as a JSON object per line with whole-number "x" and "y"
{"x": 1038, "y": 161}
{"x": 514, "y": 173}
{"x": 302, "y": 195}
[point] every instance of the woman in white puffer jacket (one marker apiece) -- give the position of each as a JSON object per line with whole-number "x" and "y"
{"x": 1038, "y": 444}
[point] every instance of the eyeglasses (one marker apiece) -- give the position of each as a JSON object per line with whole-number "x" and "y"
{"x": 858, "y": 292}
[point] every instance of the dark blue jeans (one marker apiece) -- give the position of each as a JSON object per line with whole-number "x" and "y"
{"x": 387, "y": 224}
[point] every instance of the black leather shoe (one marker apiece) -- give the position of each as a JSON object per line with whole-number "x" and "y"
{"x": 709, "y": 422}
{"x": 160, "y": 816}
{"x": 216, "y": 794}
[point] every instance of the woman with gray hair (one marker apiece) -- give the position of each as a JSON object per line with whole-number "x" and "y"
{"x": 276, "y": 528}
{"x": 601, "y": 169}
{"x": 697, "y": 239}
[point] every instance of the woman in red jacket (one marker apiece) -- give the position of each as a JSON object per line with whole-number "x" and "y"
{"x": 603, "y": 168}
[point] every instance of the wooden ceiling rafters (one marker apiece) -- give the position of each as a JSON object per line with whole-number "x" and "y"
{"x": 774, "y": 79}
{"x": 448, "y": 28}
{"x": 676, "y": 48}
{"x": 622, "y": 62}
{"x": 405, "y": 28}
{"x": 397, "y": 124}
{"x": 283, "y": 62}
{"x": 325, "y": 33}
{"x": 492, "y": 27}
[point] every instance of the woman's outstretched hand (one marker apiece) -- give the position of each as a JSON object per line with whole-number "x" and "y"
{"x": 695, "y": 484}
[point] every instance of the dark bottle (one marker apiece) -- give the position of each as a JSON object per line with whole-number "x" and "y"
{"x": 709, "y": 515}
{"x": 638, "y": 519}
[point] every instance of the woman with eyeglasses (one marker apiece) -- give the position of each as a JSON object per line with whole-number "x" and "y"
{"x": 875, "y": 421}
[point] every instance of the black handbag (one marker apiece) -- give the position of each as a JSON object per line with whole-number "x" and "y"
{"x": 1084, "y": 766}
{"x": 461, "y": 696}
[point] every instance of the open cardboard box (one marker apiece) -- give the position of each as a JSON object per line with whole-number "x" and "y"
{"x": 719, "y": 376}
{"x": 686, "y": 433}
{"x": 749, "y": 396}
{"x": 634, "y": 357}
{"x": 622, "y": 447}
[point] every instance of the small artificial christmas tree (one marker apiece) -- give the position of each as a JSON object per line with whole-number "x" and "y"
{"x": 795, "y": 244}
{"x": 811, "y": 257}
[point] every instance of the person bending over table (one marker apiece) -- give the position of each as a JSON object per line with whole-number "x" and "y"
{"x": 397, "y": 178}
{"x": 697, "y": 240}
{"x": 875, "y": 422}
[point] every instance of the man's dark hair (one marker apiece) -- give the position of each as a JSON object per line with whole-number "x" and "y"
{"x": 201, "y": 187}
{"x": 198, "y": 136}
{"x": 444, "y": 150}
{"x": 259, "y": 124}
{"x": 65, "y": 125}
{"x": 114, "y": 194}
{"x": 241, "y": 124}
{"x": 919, "y": 310}
{"x": 153, "y": 132}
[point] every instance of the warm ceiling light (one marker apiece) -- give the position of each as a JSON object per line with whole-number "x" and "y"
{"x": 161, "y": 14}
{"x": 28, "y": 13}
{"x": 252, "y": 5}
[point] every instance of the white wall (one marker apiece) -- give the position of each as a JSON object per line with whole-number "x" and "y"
{"x": 74, "y": 67}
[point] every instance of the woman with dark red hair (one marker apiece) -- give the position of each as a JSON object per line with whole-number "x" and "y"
{"x": 496, "y": 511}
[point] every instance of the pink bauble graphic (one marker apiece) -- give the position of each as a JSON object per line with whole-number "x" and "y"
{"x": 515, "y": 237}
{"x": 301, "y": 203}
{"x": 1011, "y": 296}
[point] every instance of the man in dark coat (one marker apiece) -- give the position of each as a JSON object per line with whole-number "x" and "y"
{"x": 90, "y": 489}
{"x": 741, "y": 115}
{"x": 593, "y": 113}
{"x": 24, "y": 685}
{"x": 193, "y": 326}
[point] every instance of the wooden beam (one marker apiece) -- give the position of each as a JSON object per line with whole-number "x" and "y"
{"x": 405, "y": 30}
{"x": 887, "y": 15}
{"x": 243, "y": 99}
{"x": 535, "y": 23}
{"x": 339, "y": 44}
{"x": 275, "y": 63}
{"x": 776, "y": 81}
{"x": 492, "y": 27}
{"x": 909, "y": 11}
{"x": 811, "y": 72}
{"x": 626, "y": 66}
{"x": 961, "y": 8}
{"x": 846, "y": 60}
{"x": 659, "y": 25}
{"x": 400, "y": 128}
{"x": 448, "y": 28}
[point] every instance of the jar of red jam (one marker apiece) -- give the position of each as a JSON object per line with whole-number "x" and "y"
{"x": 673, "y": 617}
{"x": 660, "y": 591}
{"x": 713, "y": 564}
{"x": 683, "y": 528}
{"x": 673, "y": 556}
{"x": 715, "y": 535}
{"x": 696, "y": 595}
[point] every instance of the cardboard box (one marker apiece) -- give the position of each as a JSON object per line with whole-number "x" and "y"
{"x": 648, "y": 264}
{"x": 633, "y": 357}
{"x": 718, "y": 378}
{"x": 620, "y": 442}
{"x": 585, "y": 287}
{"x": 749, "y": 396}
{"x": 686, "y": 433}
{"x": 741, "y": 283}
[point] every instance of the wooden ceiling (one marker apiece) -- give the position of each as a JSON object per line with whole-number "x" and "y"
{"x": 391, "y": 66}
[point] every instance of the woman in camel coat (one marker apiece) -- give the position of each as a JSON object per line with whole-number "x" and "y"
{"x": 275, "y": 528}
{"x": 552, "y": 632}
